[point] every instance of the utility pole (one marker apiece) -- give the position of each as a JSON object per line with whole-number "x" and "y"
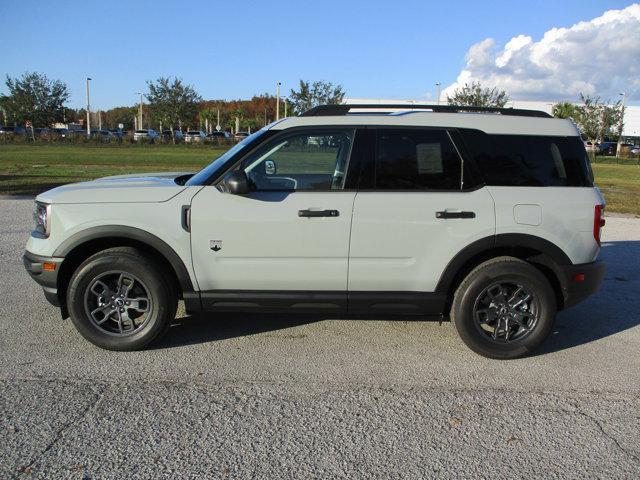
{"x": 438, "y": 87}
{"x": 99, "y": 120}
{"x": 624, "y": 97}
{"x": 140, "y": 113}
{"x": 285, "y": 108}
{"x": 88, "y": 110}
{"x": 278, "y": 102}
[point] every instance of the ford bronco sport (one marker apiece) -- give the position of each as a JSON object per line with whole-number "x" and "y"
{"x": 488, "y": 216}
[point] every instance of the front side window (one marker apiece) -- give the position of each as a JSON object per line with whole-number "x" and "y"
{"x": 416, "y": 160}
{"x": 301, "y": 161}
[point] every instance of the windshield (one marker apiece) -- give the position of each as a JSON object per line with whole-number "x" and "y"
{"x": 201, "y": 177}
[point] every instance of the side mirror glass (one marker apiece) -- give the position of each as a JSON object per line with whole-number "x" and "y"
{"x": 237, "y": 183}
{"x": 270, "y": 167}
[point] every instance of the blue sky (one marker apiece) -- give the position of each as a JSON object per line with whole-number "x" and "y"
{"x": 375, "y": 49}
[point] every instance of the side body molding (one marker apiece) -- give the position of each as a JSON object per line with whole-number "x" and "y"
{"x": 132, "y": 233}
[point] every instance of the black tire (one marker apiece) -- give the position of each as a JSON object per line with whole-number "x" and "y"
{"x": 149, "y": 280}
{"x": 475, "y": 313}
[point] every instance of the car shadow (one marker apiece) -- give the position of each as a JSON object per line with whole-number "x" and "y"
{"x": 613, "y": 309}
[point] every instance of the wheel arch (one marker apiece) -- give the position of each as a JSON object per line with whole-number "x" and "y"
{"x": 85, "y": 243}
{"x": 539, "y": 252}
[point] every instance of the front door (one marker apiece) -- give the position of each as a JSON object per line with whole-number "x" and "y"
{"x": 289, "y": 234}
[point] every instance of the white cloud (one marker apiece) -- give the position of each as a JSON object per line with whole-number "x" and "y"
{"x": 597, "y": 57}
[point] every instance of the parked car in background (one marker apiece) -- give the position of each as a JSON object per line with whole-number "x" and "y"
{"x": 43, "y": 133}
{"x": 60, "y": 133}
{"x": 607, "y": 148}
{"x": 166, "y": 136}
{"x": 103, "y": 135}
{"x": 240, "y": 135}
{"x": 214, "y": 136}
{"x": 150, "y": 135}
{"x": 194, "y": 136}
{"x": 635, "y": 150}
{"x": 117, "y": 133}
{"x": 11, "y": 131}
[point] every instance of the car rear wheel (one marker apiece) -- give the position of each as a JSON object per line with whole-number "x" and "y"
{"x": 504, "y": 308}
{"x": 120, "y": 299}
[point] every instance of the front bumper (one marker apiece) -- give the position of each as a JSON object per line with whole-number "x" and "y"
{"x": 46, "y": 278}
{"x": 581, "y": 281}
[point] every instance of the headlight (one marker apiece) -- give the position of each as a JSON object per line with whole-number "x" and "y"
{"x": 42, "y": 217}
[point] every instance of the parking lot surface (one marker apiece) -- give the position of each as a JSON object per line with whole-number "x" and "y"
{"x": 300, "y": 396}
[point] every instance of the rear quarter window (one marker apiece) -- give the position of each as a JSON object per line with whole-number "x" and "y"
{"x": 529, "y": 160}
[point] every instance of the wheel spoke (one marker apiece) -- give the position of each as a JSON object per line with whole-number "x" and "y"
{"x": 106, "y": 310}
{"x": 120, "y": 321}
{"x": 140, "y": 304}
{"x": 103, "y": 291}
{"x": 125, "y": 283}
{"x": 514, "y": 295}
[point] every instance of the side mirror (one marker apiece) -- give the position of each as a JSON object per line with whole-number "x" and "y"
{"x": 270, "y": 167}
{"x": 237, "y": 182}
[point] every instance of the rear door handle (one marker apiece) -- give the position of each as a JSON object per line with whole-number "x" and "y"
{"x": 318, "y": 213}
{"x": 449, "y": 214}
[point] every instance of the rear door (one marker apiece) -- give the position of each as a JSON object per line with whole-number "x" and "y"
{"x": 413, "y": 214}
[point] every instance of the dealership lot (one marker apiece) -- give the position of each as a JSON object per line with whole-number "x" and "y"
{"x": 237, "y": 396}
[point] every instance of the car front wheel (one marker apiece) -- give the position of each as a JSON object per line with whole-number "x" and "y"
{"x": 120, "y": 299}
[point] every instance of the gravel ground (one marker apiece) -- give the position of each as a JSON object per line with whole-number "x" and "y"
{"x": 269, "y": 396}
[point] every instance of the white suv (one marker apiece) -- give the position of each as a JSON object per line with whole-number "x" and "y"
{"x": 488, "y": 216}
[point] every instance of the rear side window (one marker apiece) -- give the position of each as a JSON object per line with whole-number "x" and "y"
{"x": 529, "y": 160}
{"x": 416, "y": 160}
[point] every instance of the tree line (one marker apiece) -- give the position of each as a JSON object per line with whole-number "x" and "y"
{"x": 172, "y": 104}
{"x": 169, "y": 102}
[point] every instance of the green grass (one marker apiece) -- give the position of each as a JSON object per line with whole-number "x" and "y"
{"x": 30, "y": 169}
{"x": 620, "y": 185}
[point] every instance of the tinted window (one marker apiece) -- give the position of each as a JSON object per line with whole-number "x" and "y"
{"x": 301, "y": 161}
{"x": 528, "y": 160}
{"x": 416, "y": 160}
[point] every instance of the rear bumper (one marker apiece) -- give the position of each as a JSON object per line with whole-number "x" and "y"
{"x": 581, "y": 281}
{"x": 47, "y": 279}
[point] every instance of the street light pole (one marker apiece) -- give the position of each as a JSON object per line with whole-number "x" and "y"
{"x": 140, "y": 112}
{"x": 88, "y": 110}
{"x": 438, "y": 87}
{"x": 624, "y": 97}
{"x": 278, "y": 102}
{"x": 285, "y": 107}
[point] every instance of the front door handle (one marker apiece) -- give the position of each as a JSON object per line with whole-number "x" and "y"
{"x": 318, "y": 213}
{"x": 450, "y": 214}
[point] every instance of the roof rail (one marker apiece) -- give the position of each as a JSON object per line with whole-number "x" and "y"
{"x": 343, "y": 109}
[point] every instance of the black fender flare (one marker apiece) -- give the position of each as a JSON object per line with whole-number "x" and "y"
{"x": 550, "y": 255}
{"x": 129, "y": 233}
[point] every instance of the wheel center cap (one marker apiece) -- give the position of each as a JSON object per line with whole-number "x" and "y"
{"x": 120, "y": 302}
{"x": 503, "y": 310}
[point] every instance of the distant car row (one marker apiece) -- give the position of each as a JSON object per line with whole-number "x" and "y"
{"x": 609, "y": 148}
{"x": 106, "y": 135}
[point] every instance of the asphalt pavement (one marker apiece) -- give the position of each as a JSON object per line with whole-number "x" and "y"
{"x": 302, "y": 396}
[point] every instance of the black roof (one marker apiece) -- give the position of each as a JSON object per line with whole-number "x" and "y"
{"x": 344, "y": 109}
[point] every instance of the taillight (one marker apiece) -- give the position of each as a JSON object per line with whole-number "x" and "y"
{"x": 598, "y": 222}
